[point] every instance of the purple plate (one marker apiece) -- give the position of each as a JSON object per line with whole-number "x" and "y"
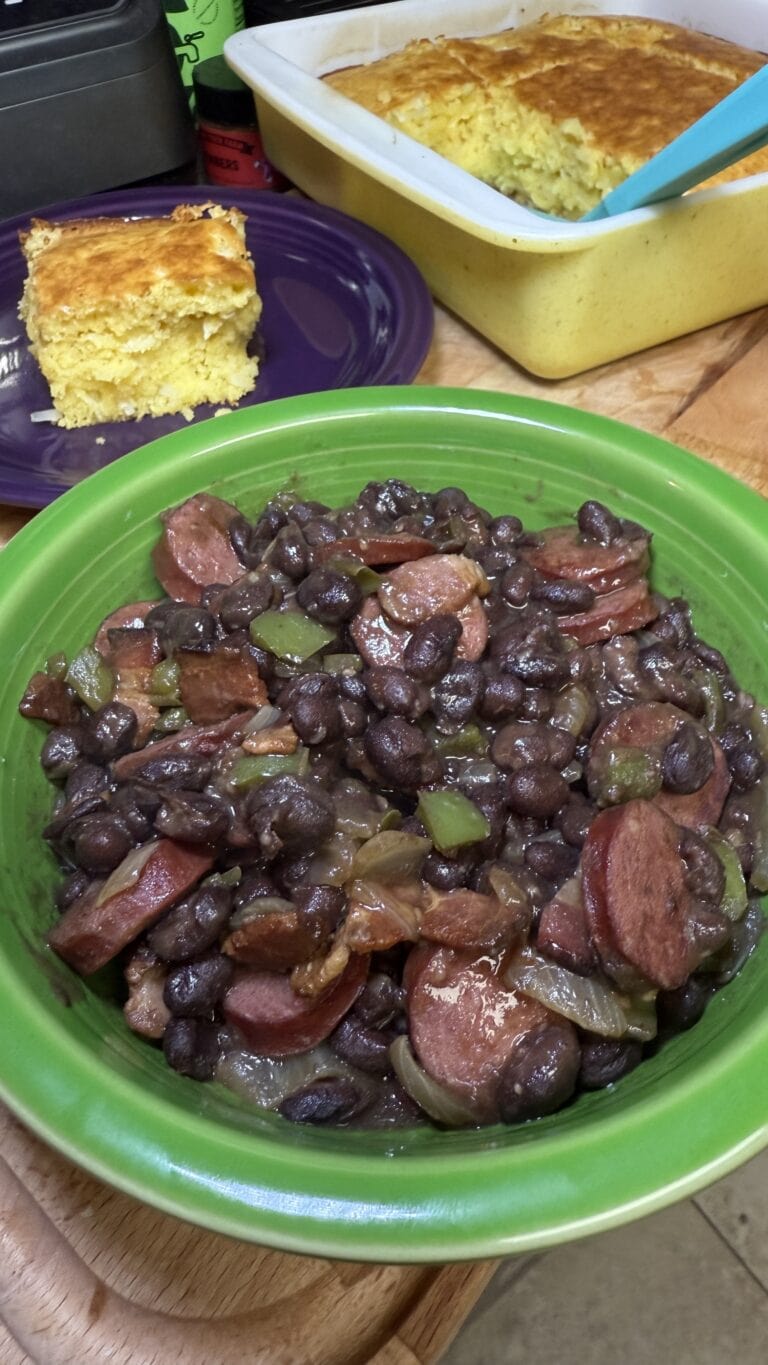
{"x": 343, "y": 306}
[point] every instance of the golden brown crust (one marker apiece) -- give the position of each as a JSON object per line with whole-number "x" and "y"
{"x": 80, "y": 263}
{"x": 619, "y": 87}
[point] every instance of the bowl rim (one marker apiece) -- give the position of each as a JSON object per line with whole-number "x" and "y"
{"x": 511, "y": 1198}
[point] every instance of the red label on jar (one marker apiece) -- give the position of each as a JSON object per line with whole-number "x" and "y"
{"x": 235, "y": 156}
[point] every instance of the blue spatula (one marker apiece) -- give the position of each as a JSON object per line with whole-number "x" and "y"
{"x": 737, "y": 126}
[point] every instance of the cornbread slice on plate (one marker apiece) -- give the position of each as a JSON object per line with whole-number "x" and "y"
{"x": 136, "y": 317}
{"x": 558, "y": 112}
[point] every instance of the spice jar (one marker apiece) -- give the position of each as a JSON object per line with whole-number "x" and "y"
{"x": 228, "y": 134}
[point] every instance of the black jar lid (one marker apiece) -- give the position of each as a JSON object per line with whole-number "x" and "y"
{"x": 220, "y": 95}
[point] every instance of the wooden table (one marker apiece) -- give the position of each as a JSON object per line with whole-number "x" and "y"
{"x": 88, "y": 1274}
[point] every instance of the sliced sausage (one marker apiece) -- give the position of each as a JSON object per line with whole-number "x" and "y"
{"x": 563, "y": 930}
{"x": 194, "y": 548}
{"x": 464, "y": 1023}
{"x": 612, "y": 613}
{"x": 440, "y": 583}
{"x": 474, "y": 630}
{"x": 198, "y": 741}
{"x": 650, "y": 726}
{"x": 96, "y": 926}
{"x": 470, "y": 920}
{"x": 635, "y": 894}
{"x": 563, "y": 552}
{"x": 218, "y": 685}
{"x": 376, "y": 549}
{"x": 130, "y": 617}
{"x": 276, "y": 1022}
{"x": 380, "y": 641}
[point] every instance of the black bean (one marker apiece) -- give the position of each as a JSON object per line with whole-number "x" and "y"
{"x": 329, "y": 1099}
{"x": 304, "y": 511}
{"x": 704, "y": 871}
{"x": 605, "y": 1060}
{"x": 192, "y": 926}
{"x": 446, "y": 873}
{"x": 505, "y": 530}
{"x": 392, "y": 690}
{"x": 176, "y": 770}
{"x": 329, "y": 596}
{"x": 193, "y": 989}
{"x": 553, "y": 860}
{"x": 680, "y": 1009}
{"x": 515, "y": 585}
{"x": 352, "y": 716}
{"x": 563, "y": 595}
{"x": 320, "y": 531}
{"x": 290, "y": 553}
{"x": 109, "y": 732}
{"x": 457, "y": 696}
{"x": 521, "y": 743}
{"x": 75, "y": 885}
{"x": 192, "y": 817}
{"x": 502, "y": 695}
{"x": 538, "y": 703}
{"x": 289, "y": 812}
{"x": 192, "y": 1047}
{"x": 495, "y": 559}
{"x": 658, "y": 665}
{"x": 351, "y": 685}
{"x": 598, "y": 522}
{"x": 379, "y": 1001}
{"x": 449, "y": 502}
{"x": 245, "y": 599}
{"x": 320, "y": 908}
{"x": 62, "y": 750}
{"x": 84, "y": 781}
{"x": 100, "y": 842}
{"x": 574, "y": 819}
{"x": 364, "y": 1047}
{"x": 537, "y": 665}
{"x": 254, "y": 883}
{"x": 688, "y": 760}
{"x": 249, "y": 542}
{"x": 397, "y": 750}
{"x": 315, "y": 716}
{"x": 673, "y": 626}
{"x": 429, "y": 651}
{"x": 536, "y": 790}
{"x": 746, "y": 767}
{"x": 182, "y": 626}
{"x": 541, "y": 1074}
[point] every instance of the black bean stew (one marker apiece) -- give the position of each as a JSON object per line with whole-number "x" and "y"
{"x": 399, "y": 813}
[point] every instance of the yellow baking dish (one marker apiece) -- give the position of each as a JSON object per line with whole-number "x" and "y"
{"x": 558, "y": 297}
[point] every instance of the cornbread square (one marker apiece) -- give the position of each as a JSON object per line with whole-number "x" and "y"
{"x": 135, "y": 317}
{"x": 556, "y": 113}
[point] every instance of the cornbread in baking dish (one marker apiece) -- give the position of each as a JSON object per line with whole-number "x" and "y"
{"x": 556, "y": 113}
{"x": 137, "y": 317}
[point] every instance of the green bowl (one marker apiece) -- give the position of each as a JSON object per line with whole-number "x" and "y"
{"x": 78, "y": 1077}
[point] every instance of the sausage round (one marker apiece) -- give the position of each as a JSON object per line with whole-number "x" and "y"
{"x": 194, "y": 548}
{"x": 276, "y": 1022}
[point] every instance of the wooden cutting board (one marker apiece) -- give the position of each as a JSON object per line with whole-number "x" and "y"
{"x": 89, "y": 1275}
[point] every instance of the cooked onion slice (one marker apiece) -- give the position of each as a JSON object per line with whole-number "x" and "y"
{"x": 432, "y": 1097}
{"x": 585, "y": 1000}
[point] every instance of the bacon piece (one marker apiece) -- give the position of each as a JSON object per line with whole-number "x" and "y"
{"x": 440, "y": 583}
{"x": 218, "y": 685}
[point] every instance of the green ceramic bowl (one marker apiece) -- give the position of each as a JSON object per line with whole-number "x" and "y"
{"x": 106, "y": 1099}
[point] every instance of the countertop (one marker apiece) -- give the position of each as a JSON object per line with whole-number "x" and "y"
{"x": 88, "y": 1274}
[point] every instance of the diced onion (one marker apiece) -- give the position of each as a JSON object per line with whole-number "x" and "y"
{"x": 428, "y": 1093}
{"x": 390, "y": 856}
{"x": 585, "y": 1000}
{"x": 127, "y": 873}
{"x": 267, "y": 1081}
